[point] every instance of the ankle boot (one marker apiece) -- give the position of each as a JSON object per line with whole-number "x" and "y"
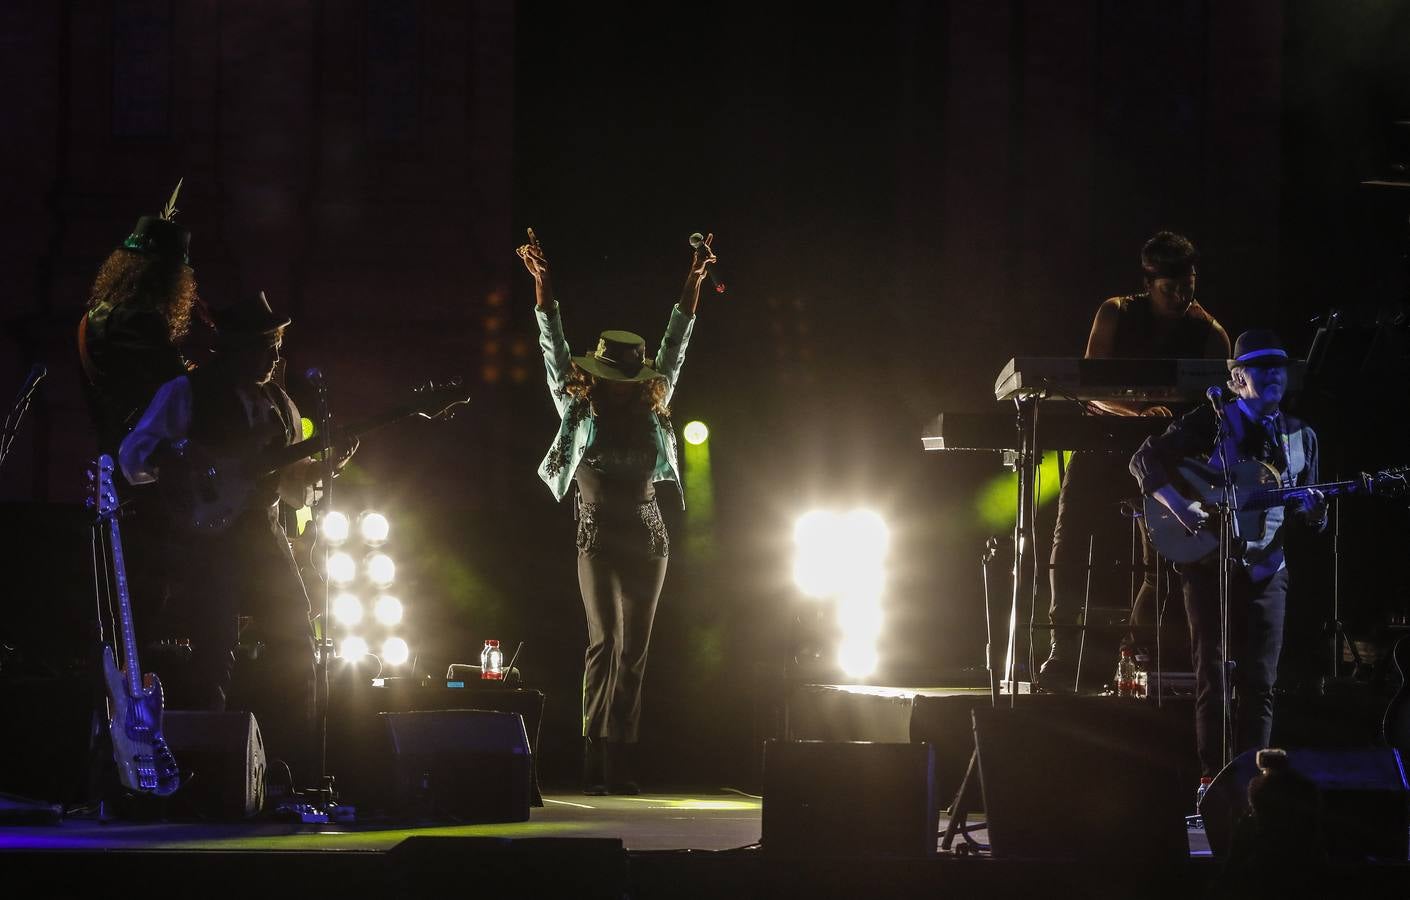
{"x": 594, "y": 767}
{"x": 621, "y": 778}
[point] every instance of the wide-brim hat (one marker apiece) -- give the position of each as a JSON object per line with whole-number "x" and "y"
{"x": 250, "y": 318}
{"x": 160, "y": 236}
{"x": 620, "y": 356}
{"x": 1259, "y": 347}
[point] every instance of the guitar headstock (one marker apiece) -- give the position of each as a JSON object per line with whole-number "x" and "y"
{"x": 100, "y": 478}
{"x": 1390, "y": 482}
{"x": 438, "y": 399}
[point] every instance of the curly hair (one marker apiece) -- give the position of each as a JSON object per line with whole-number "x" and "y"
{"x": 131, "y": 278}
{"x": 651, "y": 394}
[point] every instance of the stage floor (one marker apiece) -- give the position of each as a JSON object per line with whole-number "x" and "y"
{"x": 714, "y": 820}
{"x": 710, "y": 820}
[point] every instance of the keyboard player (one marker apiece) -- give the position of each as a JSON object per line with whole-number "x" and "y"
{"x": 1164, "y": 321}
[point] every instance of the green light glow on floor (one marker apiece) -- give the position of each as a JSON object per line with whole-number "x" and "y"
{"x": 690, "y": 803}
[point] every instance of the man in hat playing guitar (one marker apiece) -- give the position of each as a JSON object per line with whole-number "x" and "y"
{"x": 1253, "y": 428}
{"x": 246, "y": 569}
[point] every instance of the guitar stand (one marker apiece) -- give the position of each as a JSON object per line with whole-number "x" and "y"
{"x": 959, "y": 812}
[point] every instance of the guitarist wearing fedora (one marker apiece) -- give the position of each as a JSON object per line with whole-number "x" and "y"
{"x": 1255, "y": 428}
{"x": 247, "y": 570}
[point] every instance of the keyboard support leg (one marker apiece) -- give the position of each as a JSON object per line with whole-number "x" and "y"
{"x": 1026, "y": 466}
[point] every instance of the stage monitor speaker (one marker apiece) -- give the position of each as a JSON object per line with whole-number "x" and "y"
{"x": 1095, "y": 787}
{"x": 824, "y": 798}
{"x": 1363, "y": 792}
{"x": 222, "y": 762}
{"x": 470, "y": 765}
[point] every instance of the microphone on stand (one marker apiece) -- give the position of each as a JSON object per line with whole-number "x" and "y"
{"x": 697, "y": 242}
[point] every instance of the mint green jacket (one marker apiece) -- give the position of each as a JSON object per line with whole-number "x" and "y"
{"x": 577, "y": 426}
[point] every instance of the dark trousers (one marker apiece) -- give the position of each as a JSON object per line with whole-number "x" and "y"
{"x": 248, "y": 574}
{"x": 1256, "y": 611}
{"x": 1089, "y": 509}
{"x": 620, "y": 592}
{"x": 622, "y": 550}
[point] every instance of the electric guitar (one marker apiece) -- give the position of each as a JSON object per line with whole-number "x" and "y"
{"x": 1257, "y": 489}
{"x": 1395, "y": 724}
{"x": 144, "y": 762}
{"x": 205, "y": 492}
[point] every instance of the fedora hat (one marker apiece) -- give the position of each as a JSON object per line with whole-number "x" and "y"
{"x": 1258, "y": 347}
{"x": 620, "y": 356}
{"x": 247, "y": 319}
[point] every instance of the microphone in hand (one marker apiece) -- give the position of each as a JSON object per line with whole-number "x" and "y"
{"x": 697, "y": 242}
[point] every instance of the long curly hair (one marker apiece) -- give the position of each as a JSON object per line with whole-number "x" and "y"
{"x": 651, "y": 394}
{"x": 131, "y": 278}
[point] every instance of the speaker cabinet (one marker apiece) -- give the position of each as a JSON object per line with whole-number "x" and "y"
{"x": 1363, "y": 795}
{"x": 824, "y": 798}
{"x": 467, "y": 764}
{"x": 1098, "y": 786}
{"x": 221, "y": 758}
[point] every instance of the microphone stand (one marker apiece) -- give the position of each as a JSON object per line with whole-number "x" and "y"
{"x": 327, "y": 798}
{"x": 1228, "y": 535}
{"x": 18, "y": 408}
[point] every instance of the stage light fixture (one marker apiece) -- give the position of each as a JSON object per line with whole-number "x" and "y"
{"x": 353, "y": 648}
{"x": 395, "y": 651}
{"x": 347, "y": 609}
{"x": 342, "y": 569}
{"x": 387, "y": 609}
{"x": 334, "y": 528}
{"x": 373, "y": 527}
{"x": 696, "y": 433}
{"x": 381, "y": 571}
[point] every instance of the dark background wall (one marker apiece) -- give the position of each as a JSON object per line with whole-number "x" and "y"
{"x": 904, "y": 195}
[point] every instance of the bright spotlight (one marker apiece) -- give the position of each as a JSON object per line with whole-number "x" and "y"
{"x": 353, "y": 648}
{"x": 858, "y": 659}
{"x": 373, "y": 527}
{"x": 380, "y": 569}
{"x": 347, "y": 609}
{"x": 395, "y": 651}
{"x": 696, "y": 433}
{"x": 814, "y": 528}
{"x": 341, "y": 568}
{"x": 387, "y": 609}
{"x": 334, "y": 528}
{"x": 866, "y": 533}
{"x": 859, "y": 621}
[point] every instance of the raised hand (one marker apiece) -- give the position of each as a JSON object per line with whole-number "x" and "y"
{"x": 704, "y": 256}
{"x": 537, "y": 263}
{"x": 533, "y": 256}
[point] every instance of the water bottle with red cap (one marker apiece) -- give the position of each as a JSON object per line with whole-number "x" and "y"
{"x": 492, "y": 661}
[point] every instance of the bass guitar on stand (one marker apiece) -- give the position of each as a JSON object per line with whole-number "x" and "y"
{"x": 134, "y": 700}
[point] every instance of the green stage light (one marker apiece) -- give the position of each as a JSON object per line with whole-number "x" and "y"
{"x": 696, "y": 433}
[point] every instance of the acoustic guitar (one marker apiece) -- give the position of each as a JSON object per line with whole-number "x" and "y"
{"x": 1257, "y": 489}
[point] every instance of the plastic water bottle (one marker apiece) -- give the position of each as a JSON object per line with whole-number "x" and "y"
{"x": 492, "y": 661}
{"x": 1142, "y": 675}
{"x": 1126, "y": 674}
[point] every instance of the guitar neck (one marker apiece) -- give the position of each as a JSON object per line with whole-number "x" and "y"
{"x": 1278, "y": 496}
{"x": 132, "y": 671}
{"x": 279, "y": 457}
